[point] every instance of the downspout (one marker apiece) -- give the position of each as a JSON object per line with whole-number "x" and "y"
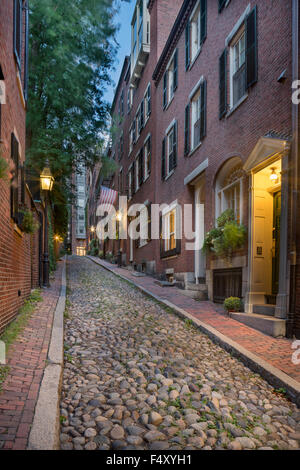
{"x": 294, "y": 170}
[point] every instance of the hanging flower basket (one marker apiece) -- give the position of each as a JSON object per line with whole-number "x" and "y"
{"x": 227, "y": 237}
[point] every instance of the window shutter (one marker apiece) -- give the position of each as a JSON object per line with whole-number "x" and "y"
{"x": 149, "y": 99}
{"x": 175, "y": 79}
{"x": 163, "y": 159}
{"x": 223, "y": 83}
{"x": 142, "y": 114}
{"x": 26, "y": 52}
{"x": 165, "y": 90}
{"x": 203, "y": 112}
{"x": 14, "y": 190}
{"x": 174, "y": 153}
{"x": 141, "y": 167}
{"x": 187, "y": 46}
{"x": 132, "y": 180}
{"x": 149, "y": 153}
{"x": 18, "y": 31}
{"x": 149, "y": 222}
{"x": 23, "y": 184}
{"x": 134, "y": 131}
{"x": 251, "y": 48}
{"x": 187, "y": 130}
{"x": 203, "y": 13}
{"x": 221, "y": 5}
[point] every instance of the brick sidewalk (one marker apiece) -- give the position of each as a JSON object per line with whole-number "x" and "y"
{"x": 26, "y": 359}
{"x": 277, "y": 352}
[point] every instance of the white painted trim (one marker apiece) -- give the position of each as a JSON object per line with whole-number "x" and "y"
{"x": 196, "y": 172}
{"x": 170, "y": 207}
{"x": 148, "y": 136}
{"x": 237, "y": 25}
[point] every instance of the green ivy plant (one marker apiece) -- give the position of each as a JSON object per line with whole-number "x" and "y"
{"x": 29, "y": 224}
{"x": 227, "y": 237}
{"x": 3, "y": 168}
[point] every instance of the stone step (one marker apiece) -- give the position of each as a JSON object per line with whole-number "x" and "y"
{"x": 195, "y": 294}
{"x": 270, "y": 326}
{"x": 196, "y": 287}
{"x": 264, "y": 309}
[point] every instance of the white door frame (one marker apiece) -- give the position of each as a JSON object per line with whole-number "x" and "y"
{"x": 200, "y": 259}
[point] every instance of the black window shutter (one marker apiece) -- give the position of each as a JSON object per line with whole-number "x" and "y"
{"x": 134, "y": 131}
{"x": 175, "y": 79}
{"x": 174, "y": 153}
{"x": 163, "y": 159}
{"x": 142, "y": 114}
{"x": 251, "y": 48}
{"x": 221, "y": 5}
{"x": 26, "y": 52}
{"x": 187, "y": 46}
{"x": 15, "y": 181}
{"x": 203, "y": 12}
{"x": 223, "y": 83}
{"x": 165, "y": 90}
{"x": 141, "y": 167}
{"x": 187, "y": 130}
{"x": 149, "y": 153}
{"x": 23, "y": 184}
{"x": 18, "y": 31}
{"x": 149, "y": 222}
{"x": 149, "y": 99}
{"x": 203, "y": 112}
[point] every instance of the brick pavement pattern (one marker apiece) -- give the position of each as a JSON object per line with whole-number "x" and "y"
{"x": 277, "y": 352}
{"x": 27, "y": 359}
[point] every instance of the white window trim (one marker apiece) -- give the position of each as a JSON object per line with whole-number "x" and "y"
{"x": 136, "y": 176}
{"x": 173, "y": 207}
{"x": 168, "y": 67}
{"x": 146, "y": 116}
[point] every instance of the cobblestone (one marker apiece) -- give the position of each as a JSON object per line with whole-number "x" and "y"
{"x": 138, "y": 377}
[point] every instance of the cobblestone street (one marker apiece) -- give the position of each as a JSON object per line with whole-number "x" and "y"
{"x": 138, "y": 377}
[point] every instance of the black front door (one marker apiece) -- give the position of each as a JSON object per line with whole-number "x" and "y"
{"x": 276, "y": 242}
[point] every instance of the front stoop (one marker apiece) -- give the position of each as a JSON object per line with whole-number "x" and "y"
{"x": 269, "y": 325}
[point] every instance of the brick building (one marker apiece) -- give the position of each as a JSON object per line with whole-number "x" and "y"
{"x": 20, "y": 253}
{"x": 204, "y": 117}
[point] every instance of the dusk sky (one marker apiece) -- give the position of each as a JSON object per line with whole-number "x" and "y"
{"x": 123, "y": 37}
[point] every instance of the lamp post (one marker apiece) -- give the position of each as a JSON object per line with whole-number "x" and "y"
{"x": 46, "y": 180}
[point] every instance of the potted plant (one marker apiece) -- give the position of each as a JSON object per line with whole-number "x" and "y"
{"x": 28, "y": 224}
{"x": 233, "y": 304}
{"x": 227, "y": 237}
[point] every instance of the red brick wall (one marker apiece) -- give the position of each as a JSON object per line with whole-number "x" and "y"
{"x": 18, "y": 252}
{"x": 267, "y": 107}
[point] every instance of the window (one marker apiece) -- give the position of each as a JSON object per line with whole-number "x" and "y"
{"x": 140, "y": 24}
{"x": 238, "y": 69}
{"x": 195, "y": 118}
{"x": 170, "y": 80}
{"x": 18, "y": 31}
{"x": 195, "y": 33}
{"x": 229, "y": 189}
{"x": 131, "y": 138}
{"x": 169, "y": 152}
{"x": 129, "y": 99}
{"x": 121, "y": 147}
{"x": 134, "y": 42}
{"x": 147, "y": 103}
{"x": 222, "y": 4}
{"x": 170, "y": 230}
{"x": 130, "y": 177}
{"x": 243, "y": 64}
{"x": 147, "y": 156}
{"x": 122, "y": 103}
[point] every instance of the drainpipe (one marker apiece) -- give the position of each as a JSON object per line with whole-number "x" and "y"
{"x": 294, "y": 171}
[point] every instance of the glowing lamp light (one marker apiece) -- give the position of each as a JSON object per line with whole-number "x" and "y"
{"x": 93, "y": 229}
{"x": 46, "y": 178}
{"x": 119, "y": 216}
{"x": 273, "y": 175}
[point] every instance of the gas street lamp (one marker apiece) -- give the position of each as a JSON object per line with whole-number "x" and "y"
{"x": 46, "y": 181}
